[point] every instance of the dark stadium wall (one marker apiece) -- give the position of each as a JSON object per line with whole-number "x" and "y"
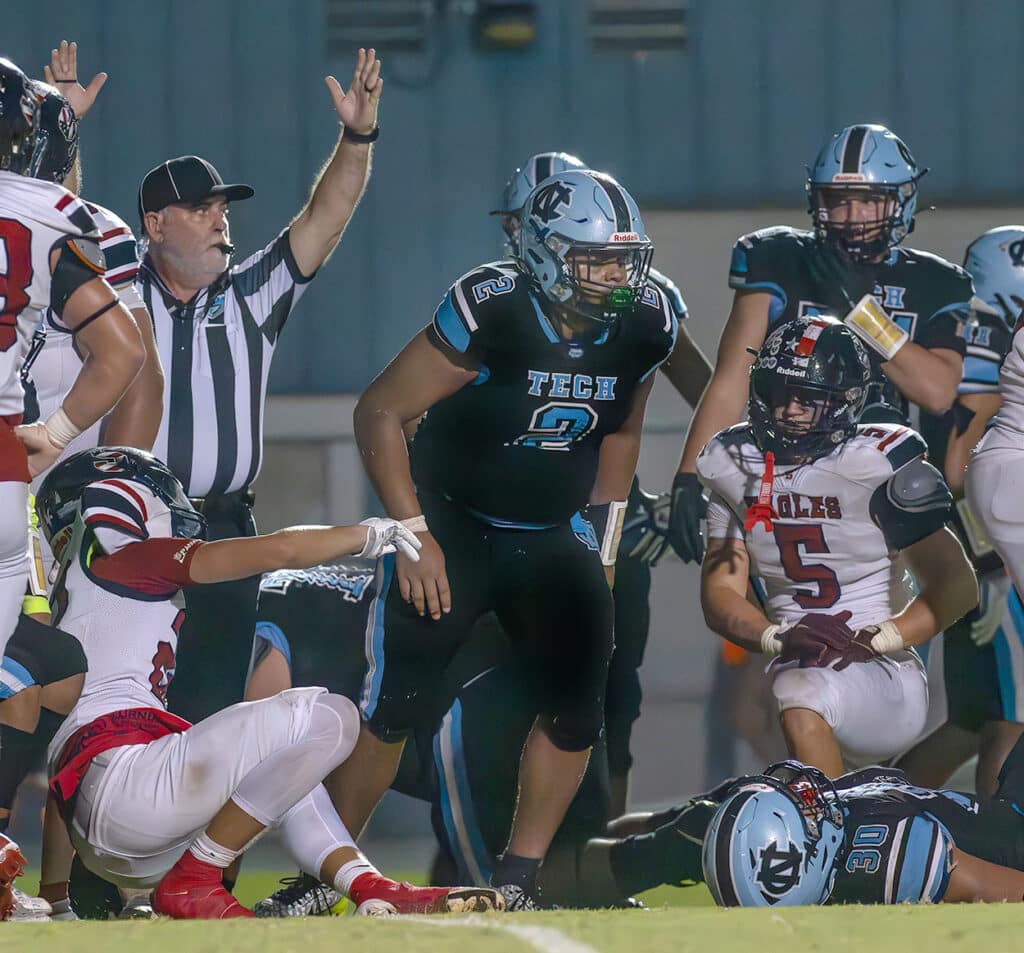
{"x": 727, "y": 122}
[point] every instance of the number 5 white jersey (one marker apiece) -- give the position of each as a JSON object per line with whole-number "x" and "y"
{"x": 840, "y": 519}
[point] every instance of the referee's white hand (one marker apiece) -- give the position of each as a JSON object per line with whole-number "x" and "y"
{"x": 357, "y": 109}
{"x": 385, "y": 536}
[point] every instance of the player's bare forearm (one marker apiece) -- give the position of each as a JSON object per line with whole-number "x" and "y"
{"x": 973, "y": 880}
{"x": 687, "y": 369}
{"x": 135, "y": 420}
{"x": 724, "y": 402}
{"x": 725, "y": 575}
{"x": 297, "y": 547}
{"x": 620, "y": 451}
{"x": 337, "y": 189}
{"x": 383, "y": 450}
{"x": 958, "y": 450}
{"x": 948, "y": 587}
{"x": 928, "y": 378}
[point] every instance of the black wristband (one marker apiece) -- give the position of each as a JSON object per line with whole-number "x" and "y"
{"x": 359, "y": 137}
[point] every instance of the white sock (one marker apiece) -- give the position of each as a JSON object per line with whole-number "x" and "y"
{"x": 210, "y": 852}
{"x": 351, "y": 872}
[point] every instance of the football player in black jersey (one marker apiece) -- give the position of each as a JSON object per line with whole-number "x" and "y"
{"x": 906, "y": 305}
{"x": 982, "y": 661}
{"x": 534, "y": 376}
{"x": 643, "y": 540}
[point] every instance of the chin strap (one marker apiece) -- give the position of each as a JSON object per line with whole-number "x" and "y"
{"x": 762, "y": 511}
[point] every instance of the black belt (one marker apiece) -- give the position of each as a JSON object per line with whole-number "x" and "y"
{"x": 224, "y": 502}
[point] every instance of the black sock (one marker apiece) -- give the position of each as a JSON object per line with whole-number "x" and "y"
{"x": 649, "y": 860}
{"x": 513, "y": 869}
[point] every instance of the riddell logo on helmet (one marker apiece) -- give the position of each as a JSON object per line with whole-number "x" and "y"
{"x": 625, "y": 237}
{"x": 849, "y": 177}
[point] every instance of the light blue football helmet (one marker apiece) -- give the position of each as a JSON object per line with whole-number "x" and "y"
{"x": 995, "y": 261}
{"x": 522, "y": 182}
{"x": 775, "y": 840}
{"x": 589, "y": 217}
{"x": 865, "y": 161}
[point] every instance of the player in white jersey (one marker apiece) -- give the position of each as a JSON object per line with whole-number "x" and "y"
{"x": 51, "y": 259}
{"x": 817, "y": 507}
{"x": 995, "y": 476}
{"x": 150, "y": 799}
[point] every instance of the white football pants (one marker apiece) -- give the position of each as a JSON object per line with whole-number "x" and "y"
{"x": 994, "y": 487}
{"x": 13, "y": 559}
{"x": 875, "y": 709}
{"x": 139, "y": 807}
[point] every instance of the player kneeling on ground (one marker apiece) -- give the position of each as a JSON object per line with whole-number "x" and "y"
{"x": 818, "y": 507}
{"x": 148, "y": 798}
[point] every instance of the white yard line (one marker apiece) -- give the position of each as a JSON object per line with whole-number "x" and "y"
{"x": 542, "y": 939}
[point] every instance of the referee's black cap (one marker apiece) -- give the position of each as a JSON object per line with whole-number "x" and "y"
{"x": 185, "y": 179}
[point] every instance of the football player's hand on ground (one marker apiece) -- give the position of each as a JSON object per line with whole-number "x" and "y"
{"x": 688, "y": 509}
{"x": 424, "y": 583}
{"x": 817, "y": 639}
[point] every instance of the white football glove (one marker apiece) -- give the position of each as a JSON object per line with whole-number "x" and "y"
{"x": 991, "y": 606}
{"x": 385, "y": 536}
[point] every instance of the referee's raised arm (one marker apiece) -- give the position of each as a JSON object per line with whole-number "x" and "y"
{"x": 338, "y": 187}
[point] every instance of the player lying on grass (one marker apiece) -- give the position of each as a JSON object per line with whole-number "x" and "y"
{"x": 464, "y": 762}
{"x": 149, "y": 799}
{"x": 822, "y": 510}
{"x": 791, "y": 837}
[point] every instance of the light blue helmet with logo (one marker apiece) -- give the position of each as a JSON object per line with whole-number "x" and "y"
{"x": 573, "y": 224}
{"x": 522, "y": 182}
{"x": 995, "y": 261}
{"x": 866, "y": 162}
{"x": 775, "y": 840}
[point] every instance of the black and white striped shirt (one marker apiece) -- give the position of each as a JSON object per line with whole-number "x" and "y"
{"x": 216, "y": 350}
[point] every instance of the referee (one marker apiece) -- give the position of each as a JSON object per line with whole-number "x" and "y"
{"x": 216, "y": 327}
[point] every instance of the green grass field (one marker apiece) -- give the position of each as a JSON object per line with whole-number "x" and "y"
{"x": 679, "y": 921}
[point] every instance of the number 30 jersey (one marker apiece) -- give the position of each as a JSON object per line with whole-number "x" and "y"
{"x": 518, "y": 446}
{"x": 840, "y": 519}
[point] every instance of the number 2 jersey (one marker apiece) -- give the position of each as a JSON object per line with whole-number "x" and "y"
{"x": 119, "y": 594}
{"x": 37, "y": 218}
{"x": 518, "y": 446}
{"x": 925, "y": 295}
{"x": 839, "y": 520}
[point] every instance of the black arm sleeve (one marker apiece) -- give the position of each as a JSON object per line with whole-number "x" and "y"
{"x": 80, "y": 261}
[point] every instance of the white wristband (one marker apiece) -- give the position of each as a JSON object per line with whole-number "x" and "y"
{"x": 60, "y": 429}
{"x": 875, "y": 328}
{"x": 887, "y": 639}
{"x": 771, "y": 644}
{"x": 415, "y": 524}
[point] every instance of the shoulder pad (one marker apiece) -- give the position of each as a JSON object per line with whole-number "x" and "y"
{"x": 936, "y": 261}
{"x": 89, "y": 252}
{"x": 670, "y": 290}
{"x": 473, "y": 299}
{"x": 776, "y": 234}
{"x": 918, "y": 487}
{"x": 106, "y": 220}
{"x": 720, "y": 452}
{"x": 899, "y": 444}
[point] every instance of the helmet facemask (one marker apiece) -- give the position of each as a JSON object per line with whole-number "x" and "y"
{"x": 862, "y": 220}
{"x": 600, "y": 283}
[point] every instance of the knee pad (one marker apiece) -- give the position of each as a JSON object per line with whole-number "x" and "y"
{"x": 337, "y": 718}
{"x": 573, "y": 731}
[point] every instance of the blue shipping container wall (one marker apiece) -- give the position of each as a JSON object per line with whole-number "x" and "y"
{"x": 729, "y": 122}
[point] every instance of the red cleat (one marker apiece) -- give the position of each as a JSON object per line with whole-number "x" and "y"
{"x": 192, "y": 890}
{"x": 12, "y": 866}
{"x": 377, "y": 896}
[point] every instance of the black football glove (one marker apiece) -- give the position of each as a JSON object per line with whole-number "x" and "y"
{"x": 839, "y": 277}
{"x": 688, "y": 509}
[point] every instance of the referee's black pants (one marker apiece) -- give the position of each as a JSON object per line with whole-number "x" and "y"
{"x": 215, "y": 642}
